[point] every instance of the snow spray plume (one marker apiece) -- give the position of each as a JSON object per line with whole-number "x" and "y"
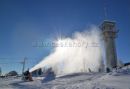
{"x": 80, "y": 53}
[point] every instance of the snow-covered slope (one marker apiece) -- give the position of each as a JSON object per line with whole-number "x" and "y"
{"x": 115, "y": 80}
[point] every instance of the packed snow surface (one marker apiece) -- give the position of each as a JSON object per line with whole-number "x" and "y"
{"x": 114, "y": 80}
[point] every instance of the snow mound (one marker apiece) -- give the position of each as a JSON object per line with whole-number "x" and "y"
{"x": 119, "y": 72}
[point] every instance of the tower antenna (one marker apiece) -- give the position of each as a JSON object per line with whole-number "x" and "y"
{"x": 105, "y": 10}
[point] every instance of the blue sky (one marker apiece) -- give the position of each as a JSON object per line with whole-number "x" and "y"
{"x": 23, "y": 22}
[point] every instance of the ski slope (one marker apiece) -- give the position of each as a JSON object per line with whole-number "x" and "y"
{"x": 114, "y": 80}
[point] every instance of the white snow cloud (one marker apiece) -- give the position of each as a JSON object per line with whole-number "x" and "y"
{"x": 81, "y": 52}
